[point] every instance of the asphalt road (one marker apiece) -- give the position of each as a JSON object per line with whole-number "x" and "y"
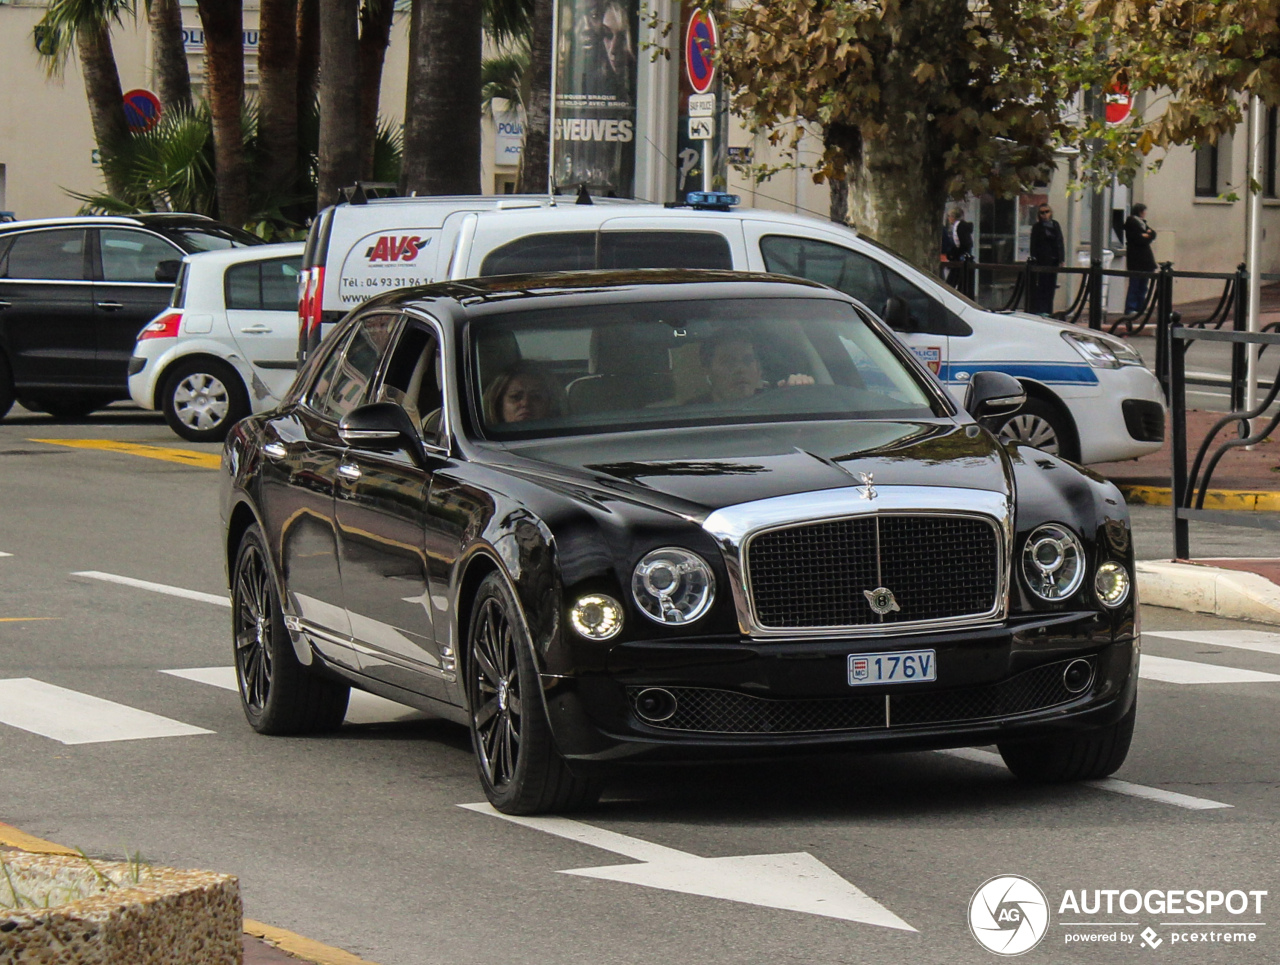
{"x": 358, "y": 840}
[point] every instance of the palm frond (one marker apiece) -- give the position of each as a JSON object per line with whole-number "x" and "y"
{"x": 503, "y": 76}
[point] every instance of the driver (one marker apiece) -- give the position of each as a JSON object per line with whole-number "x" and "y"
{"x": 733, "y": 369}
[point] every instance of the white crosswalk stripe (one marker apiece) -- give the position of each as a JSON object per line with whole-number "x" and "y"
{"x": 71, "y": 717}
{"x": 1173, "y": 671}
{"x": 365, "y": 708}
{"x": 1255, "y": 640}
{"x": 166, "y": 589}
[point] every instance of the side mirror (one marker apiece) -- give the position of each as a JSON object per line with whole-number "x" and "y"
{"x": 897, "y": 314}
{"x": 381, "y": 427}
{"x": 994, "y": 394}
{"x": 167, "y": 271}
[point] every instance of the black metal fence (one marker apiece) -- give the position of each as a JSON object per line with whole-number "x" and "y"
{"x": 1223, "y": 319}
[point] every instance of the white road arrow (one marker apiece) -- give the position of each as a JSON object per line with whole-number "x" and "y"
{"x": 794, "y": 882}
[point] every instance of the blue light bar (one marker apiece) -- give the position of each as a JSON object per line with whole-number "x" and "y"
{"x": 712, "y": 200}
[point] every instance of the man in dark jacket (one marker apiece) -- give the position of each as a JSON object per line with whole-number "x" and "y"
{"x": 1138, "y": 236}
{"x": 1047, "y": 249}
{"x": 957, "y": 244}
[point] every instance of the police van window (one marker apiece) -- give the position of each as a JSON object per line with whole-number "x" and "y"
{"x": 562, "y": 251}
{"x": 342, "y": 382}
{"x": 665, "y": 249}
{"x": 928, "y": 315}
{"x": 53, "y": 255}
{"x": 844, "y": 270}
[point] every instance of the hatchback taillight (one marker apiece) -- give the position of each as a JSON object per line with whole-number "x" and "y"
{"x": 166, "y": 326}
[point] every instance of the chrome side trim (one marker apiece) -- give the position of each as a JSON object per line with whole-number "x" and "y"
{"x": 733, "y": 528}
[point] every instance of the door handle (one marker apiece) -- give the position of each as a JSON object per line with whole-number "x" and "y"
{"x": 275, "y": 450}
{"x": 110, "y": 306}
{"x": 257, "y": 330}
{"x": 349, "y": 470}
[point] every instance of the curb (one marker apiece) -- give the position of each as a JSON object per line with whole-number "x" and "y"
{"x": 1265, "y": 501}
{"x": 1234, "y": 594}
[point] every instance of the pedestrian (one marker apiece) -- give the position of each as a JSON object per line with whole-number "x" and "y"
{"x": 957, "y": 245}
{"x": 1048, "y": 250}
{"x": 1138, "y": 236}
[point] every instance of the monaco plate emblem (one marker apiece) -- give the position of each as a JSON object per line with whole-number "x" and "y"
{"x": 881, "y": 600}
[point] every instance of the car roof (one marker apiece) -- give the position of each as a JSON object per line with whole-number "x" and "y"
{"x": 159, "y": 220}
{"x": 563, "y": 217}
{"x": 222, "y": 257}
{"x": 502, "y": 293}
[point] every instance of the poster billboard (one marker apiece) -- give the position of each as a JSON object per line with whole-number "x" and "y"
{"x": 595, "y": 109}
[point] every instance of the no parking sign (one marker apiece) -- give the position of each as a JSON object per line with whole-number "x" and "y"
{"x": 700, "y": 41}
{"x": 141, "y": 110}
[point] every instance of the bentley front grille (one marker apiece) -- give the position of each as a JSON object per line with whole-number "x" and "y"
{"x": 831, "y": 574}
{"x": 706, "y": 711}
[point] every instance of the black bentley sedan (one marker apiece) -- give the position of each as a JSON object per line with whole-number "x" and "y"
{"x": 607, "y": 516}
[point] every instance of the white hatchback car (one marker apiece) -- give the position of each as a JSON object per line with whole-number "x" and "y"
{"x": 228, "y": 343}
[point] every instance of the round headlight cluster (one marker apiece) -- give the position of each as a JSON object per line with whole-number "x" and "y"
{"x": 673, "y": 586}
{"x": 596, "y": 616}
{"x": 1112, "y": 583}
{"x": 1053, "y": 562}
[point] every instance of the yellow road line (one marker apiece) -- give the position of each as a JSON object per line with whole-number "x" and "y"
{"x": 186, "y": 457}
{"x": 287, "y": 941}
{"x": 1259, "y": 501}
{"x": 305, "y": 948}
{"x": 25, "y": 619}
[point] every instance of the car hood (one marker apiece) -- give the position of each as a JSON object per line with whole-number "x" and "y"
{"x": 697, "y": 471}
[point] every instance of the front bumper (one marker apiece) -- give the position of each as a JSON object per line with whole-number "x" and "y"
{"x": 745, "y": 698}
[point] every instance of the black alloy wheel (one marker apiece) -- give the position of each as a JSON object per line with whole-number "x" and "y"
{"x": 1084, "y": 756}
{"x": 279, "y": 695}
{"x": 520, "y": 769}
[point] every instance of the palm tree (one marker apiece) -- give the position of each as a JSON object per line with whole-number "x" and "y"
{"x": 442, "y": 104}
{"x": 278, "y": 92}
{"x": 376, "y": 17}
{"x": 86, "y": 25}
{"x": 340, "y": 151}
{"x": 223, "y": 22}
{"x": 535, "y": 156}
{"x": 173, "y": 79}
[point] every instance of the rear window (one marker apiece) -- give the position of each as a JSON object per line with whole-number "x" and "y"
{"x": 216, "y": 238}
{"x": 47, "y": 255}
{"x": 584, "y": 250}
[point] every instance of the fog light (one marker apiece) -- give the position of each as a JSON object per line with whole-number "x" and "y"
{"x": 596, "y": 617}
{"x": 1078, "y": 675}
{"x": 1112, "y": 584}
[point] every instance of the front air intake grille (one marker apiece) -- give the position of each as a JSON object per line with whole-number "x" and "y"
{"x": 816, "y": 575}
{"x": 706, "y": 711}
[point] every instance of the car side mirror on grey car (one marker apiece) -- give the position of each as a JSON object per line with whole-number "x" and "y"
{"x": 167, "y": 271}
{"x": 993, "y": 394}
{"x": 380, "y": 427}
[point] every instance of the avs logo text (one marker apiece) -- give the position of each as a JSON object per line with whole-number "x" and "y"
{"x": 396, "y": 248}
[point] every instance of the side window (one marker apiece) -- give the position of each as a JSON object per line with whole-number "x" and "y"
{"x": 844, "y": 270}
{"x": 243, "y": 286}
{"x": 413, "y": 379}
{"x": 346, "y": 375}
{"x": 280, "y": 285}
{"x": 133, "y": 256}
{"x": 565, "y": 251}
{"x": 52, "y": 255}
{"x": 927, "y": 313}
{"x": 665, "y": 249}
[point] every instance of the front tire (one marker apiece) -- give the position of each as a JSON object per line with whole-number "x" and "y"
{"x": 1039, "y": 424}
{"x": 520, "y": 769}
{"x": 1085, "y": 756}
{"x": 278, "y": 694}
{"x": 202, "y": 399}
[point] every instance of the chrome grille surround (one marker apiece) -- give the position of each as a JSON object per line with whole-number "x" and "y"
{"x": 734, "y": 527}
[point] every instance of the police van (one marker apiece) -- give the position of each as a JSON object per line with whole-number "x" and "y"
{"x": 1089, "y": 396}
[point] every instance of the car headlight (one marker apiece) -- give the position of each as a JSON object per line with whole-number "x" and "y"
{"x": 1102, "y": 353}
{"x": 1053, "y": 562}
{"x": 673, "y": 586}
{"x": 1112, "y": 583}
{"x": 596, "y": 616}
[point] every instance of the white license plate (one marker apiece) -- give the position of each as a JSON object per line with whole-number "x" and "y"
{"x": 896, "y": 667}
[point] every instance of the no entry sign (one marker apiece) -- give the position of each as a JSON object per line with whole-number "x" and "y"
{"x": 700, "y": 42}
{"x": 1119, "y": 104}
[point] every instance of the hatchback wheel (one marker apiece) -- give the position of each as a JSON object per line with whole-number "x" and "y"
{"x": 279, "y": 695}
{"x": 1038, "y": 424}
{"x": 520, "y": 768}
{"x": 202, "y": 399}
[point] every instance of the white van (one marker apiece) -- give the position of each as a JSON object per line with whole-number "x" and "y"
{"x": 1089, "y": 396}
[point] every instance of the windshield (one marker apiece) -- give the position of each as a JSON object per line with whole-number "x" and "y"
{"x": 608, "y": 368}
